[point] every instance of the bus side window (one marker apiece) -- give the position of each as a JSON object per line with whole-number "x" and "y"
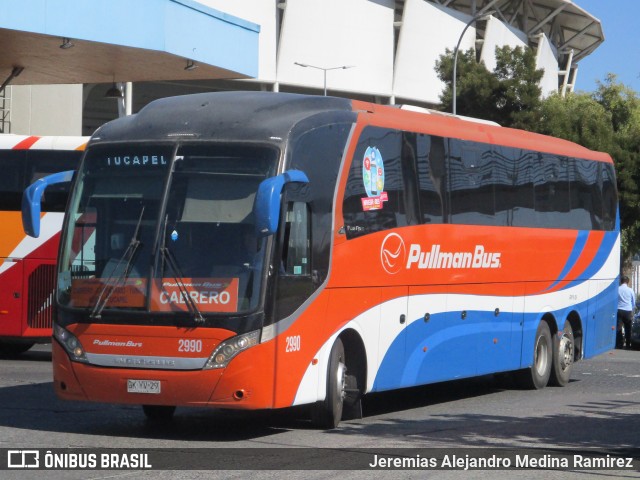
{"x": 12, "y": 180}
{"x": 551, "y": 190}
{"x": 584, "y": 193}
{"x": 609, "y": 197}
{"x": 374, "y": 198}
{"x": 294, "y": 279}
{"x": 432, "y": 177}
{"x": 41, "y": 163}
{"x": 471, "y": 183}
{"x": 296, "y": 245}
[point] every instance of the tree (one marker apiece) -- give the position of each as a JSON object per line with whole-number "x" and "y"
{"x": 510, "y": 95}
{"x": 608, "y": 121}
{"x": 577, "y": 117}
{"x": 624, "y": 107}
{"x": 519, "y": 92}
{"x": 474, "y": 85}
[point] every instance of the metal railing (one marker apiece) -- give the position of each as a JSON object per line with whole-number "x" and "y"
{"x": 5, "y": 110}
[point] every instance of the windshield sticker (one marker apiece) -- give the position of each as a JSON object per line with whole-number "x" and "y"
{"x": 208, "y": 294}
{"x": 373, "y": 179}
{"x": 129, "y": 292}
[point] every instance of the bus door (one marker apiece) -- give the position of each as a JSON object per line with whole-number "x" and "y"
{"x": 292, "y": 268}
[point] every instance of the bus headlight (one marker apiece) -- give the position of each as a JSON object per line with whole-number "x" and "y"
{"x": 228, "y": 349}
{"x": 70, "y": 343}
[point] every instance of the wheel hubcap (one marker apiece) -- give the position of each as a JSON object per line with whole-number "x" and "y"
{"x": 566, "y": 352}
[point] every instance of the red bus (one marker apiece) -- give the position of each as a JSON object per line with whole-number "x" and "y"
{"x": 253, "y": 250}
{"x": 27, "y": 265}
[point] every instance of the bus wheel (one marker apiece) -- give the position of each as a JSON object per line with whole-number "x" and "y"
{"x": 158, "y": 412}
{"x": 328, "y": 413}
{"x": 563, "y": 352}
{"x": 537, "y": 376}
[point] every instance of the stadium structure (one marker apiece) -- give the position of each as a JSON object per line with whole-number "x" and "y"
{"x": 68, "y": 66}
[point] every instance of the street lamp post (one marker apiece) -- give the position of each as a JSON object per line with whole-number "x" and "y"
{"x": 476, "y": 17}
{"x": 324, "y": 71}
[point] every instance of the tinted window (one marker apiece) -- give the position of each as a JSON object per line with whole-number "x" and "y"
{"x": 294, "y": 283}
{"x": 303, "y": 257}
{"x": 504, "y": 178}
{"x": 374, "y": 195}
{"x": 471, "y": 183}
{"x": 551, "y": 190}
{"x": 522, "y": 197}
{"x": 12, "y": 181}
{"x": 463, "y": 182}
{"x": 318, "y": 153}
{"x": 586, "y": 202}
{"x": 609, "y": 196}
{"x": 432, "y": 177}
{"x": 20, "y": 168}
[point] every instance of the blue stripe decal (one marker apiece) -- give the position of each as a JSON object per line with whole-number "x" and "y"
{"x": 578, "y": 247}
{"x": 449, "y": 347}
{"x": 601, "y": 257}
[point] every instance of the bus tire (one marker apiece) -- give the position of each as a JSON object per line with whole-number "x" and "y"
{"x": 537, "y": 376}
{"x": 158, "y": 413}
{"x": 328, "y": 413}
{"x": 563, "y": 356}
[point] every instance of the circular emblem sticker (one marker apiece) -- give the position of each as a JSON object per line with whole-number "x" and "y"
{"x": 393, "y": 253}
{"x": 373, "y": 172}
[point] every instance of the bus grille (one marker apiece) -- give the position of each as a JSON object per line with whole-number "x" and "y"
{"x": 40, "y": 300}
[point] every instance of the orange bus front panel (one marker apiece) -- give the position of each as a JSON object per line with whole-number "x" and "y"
{"x": 246, "y": 383}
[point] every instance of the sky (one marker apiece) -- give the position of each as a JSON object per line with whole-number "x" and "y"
{"x": 620, "y": 52}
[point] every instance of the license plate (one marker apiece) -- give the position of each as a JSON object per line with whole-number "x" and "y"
{"x": 143, "y": 386}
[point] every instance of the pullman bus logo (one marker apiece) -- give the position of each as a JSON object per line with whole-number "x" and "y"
{"x": 393, "y": 253}
{"x": 394, "y": 257}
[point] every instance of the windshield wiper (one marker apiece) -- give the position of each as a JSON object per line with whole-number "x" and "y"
{"x": 169, "y": 258}
{"x": 126, "y": 259}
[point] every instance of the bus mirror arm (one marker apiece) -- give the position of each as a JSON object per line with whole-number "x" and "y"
{"x": 32, "y": 198}
{"x": 267, "y": 203}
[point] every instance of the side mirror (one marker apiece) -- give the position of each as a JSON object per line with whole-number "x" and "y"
{"x": 32, "y": 197}
{"x": 267, "y": 203}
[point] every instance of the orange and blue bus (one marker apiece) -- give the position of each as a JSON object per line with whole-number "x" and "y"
{"x": 254, "y": 250}
{"x": 27, "y": 265}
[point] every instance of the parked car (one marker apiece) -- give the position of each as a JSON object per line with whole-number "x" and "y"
{"x": 622, "y": 333}
{"x": 635, "y": 331}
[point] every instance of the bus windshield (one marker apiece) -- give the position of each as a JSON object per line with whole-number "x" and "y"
{"x": 150, "y": 231}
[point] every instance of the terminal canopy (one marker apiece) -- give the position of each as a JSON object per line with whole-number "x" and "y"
{"x": 74, "y": 41}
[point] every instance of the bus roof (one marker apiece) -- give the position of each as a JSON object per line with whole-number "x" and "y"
{"x": 268, "y": 116}
{"x": 465, "y": 128}
{"x": 217, "y": 116}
